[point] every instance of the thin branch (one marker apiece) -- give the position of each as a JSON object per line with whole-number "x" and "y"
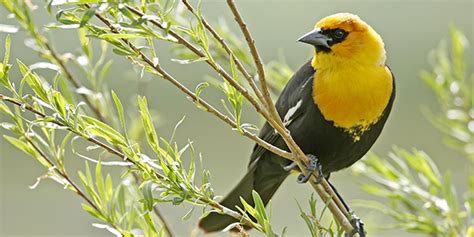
{"x": 208, "y": 107}
{"x": 97, "y": 142}
{"x": 228, "y": 50}
{"x": 210, "y": 202}
{"x": 218, "y": 68}
{"x": 323, "y": 189}
{"x": 63, "y": 174}
{"x": 76, "y": 83}
{"x": 256, "y": 56}
{"x": 42, "y": 41}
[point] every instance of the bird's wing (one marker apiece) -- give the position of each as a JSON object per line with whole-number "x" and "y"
{"x": 289, "y": 105}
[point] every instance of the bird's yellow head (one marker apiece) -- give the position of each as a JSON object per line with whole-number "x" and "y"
{"x": 344, "y": 38}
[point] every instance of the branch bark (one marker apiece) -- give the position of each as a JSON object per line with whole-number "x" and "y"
{"x": 323, "y": 188}
{"x": 270, "y": 113}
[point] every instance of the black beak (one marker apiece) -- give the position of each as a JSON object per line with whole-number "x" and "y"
{"x": 316, "y": 38}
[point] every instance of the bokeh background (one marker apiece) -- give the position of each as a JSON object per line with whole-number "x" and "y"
{"x": 410, "y": 29}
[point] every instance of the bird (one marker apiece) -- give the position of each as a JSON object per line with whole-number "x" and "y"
{"x": 335, "y": 107}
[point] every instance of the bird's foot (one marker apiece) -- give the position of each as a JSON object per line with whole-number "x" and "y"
{"x": 313, "y": 166}
{"x": 358, "y": 225}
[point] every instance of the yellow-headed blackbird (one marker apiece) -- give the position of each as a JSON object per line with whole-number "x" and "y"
{"x": 335, "y": 107}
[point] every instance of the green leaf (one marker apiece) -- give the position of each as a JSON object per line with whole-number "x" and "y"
{"x": 5, "y": 67}
{"x": 109, "y": 36}
{"x": 85, "y": 43}
{"x": 4, "y": 109}
{"x": 248, "y": 207}
{"x": 87, "y": 16}
{"x": 148, "y": 125}
{"x": 119, "y": 107}
{"x": 93, "y": 212}
{"x": 122, "y": 52}
{"x": 99, "y": 182}
{"x": 148, "y": 195}
{"x": 259, "y": 206}
{"x": 103, "y": 130}
{"x": 37, "y": 85}
{"x": 60, "y": 104}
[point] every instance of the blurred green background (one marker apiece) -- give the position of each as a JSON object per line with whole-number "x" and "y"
{"x": 410, "y": 30}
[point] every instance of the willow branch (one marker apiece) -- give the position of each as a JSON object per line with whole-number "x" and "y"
{"x": 194, "y": 98}
{"x": 256, "y": 56}
{"x": 64, "y": 175}
{"x": 217, "y": 67}
{"x": 56, "y": 59}
{"x": 323, "y": 188}
{"x": 97, "y": 142}
{"x": 61, "y": 173}
{"x": 215, "y": 205}
{"x": 228, "y": 50}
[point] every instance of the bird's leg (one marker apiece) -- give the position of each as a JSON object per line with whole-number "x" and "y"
{"x": 358, "y": 225}
{"x": 356, "y": 222}
{"x": 313, "y": 166}
{"x": 290, "y": 166}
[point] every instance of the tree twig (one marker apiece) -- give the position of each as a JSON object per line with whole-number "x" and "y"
{"x": 56, "y": 59}
{"x": 228, "y": 50}
{"x": 218, "y": 68}
{"x": 323, "y": 189}
{"x": 208, "y": 107}
{"x": 64, "y": 175}
{"x": 111, "y": 150}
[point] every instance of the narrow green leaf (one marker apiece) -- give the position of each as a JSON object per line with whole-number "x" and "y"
{"x": 87, "y": 16}
{"x": 148, "y": 125}
{"x": 119, "y": 107}
{"x": 60, "y": 104}
{"x": 103, "y": 130}
{"x": 148, "y": 195}
{"x": 121, "y": 36}
{"x": 39, "y": 86}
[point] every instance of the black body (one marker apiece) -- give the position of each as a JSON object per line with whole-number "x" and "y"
{"x": 334, "y": 148}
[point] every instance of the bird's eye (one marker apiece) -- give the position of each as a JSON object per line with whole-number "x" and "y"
{"x": 339, "y": 34}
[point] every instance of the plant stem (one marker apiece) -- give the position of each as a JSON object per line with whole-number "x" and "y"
{"x": 208, "y": 107}
{"x": 218, "y": 68}
{"x": 323, "y": 189}
{"x": 64, "y": 175}
{"x": 228, "y": 50}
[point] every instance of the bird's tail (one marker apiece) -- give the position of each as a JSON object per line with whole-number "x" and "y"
{"x": 264, "y": 176}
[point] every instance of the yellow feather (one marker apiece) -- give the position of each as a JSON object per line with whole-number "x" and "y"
{"x": 352, "y": 85}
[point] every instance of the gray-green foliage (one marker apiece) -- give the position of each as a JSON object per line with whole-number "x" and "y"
{"x": 415, "y": 193}
{"x": 41, "y": 111}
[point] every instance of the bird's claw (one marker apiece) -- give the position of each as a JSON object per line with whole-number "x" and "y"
{"x": 290, "y": 166}
{"x": 313, "y": 166}
{"x": 358, "y": 225}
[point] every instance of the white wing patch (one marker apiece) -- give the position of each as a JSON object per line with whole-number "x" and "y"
{"x": 288, "y": 116}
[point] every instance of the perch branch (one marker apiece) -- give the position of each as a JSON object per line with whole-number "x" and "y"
{"x": 208, "y": 107}
{"x": 218, "y": 68}
{"x": 323, "y": 189}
